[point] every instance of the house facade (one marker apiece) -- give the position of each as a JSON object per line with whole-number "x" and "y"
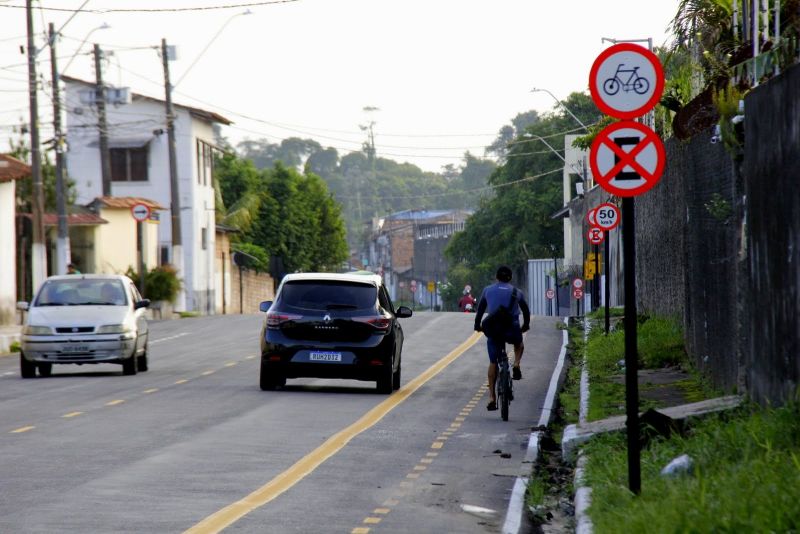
{"x": 137, "y": 140}
{"x": 11, "y": 170}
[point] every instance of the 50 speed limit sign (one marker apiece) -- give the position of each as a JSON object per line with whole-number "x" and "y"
{"x": 607, "y": 216}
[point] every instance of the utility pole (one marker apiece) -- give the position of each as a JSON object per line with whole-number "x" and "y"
{"x": 62, "y": 244}
{"x": 100, "y": 100}
{"x": 38, "y": 248}
{"x": 177, "y": 246}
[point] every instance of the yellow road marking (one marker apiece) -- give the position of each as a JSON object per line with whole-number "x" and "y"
{"x": 22, "y": 429}
{"x": 426, "y": 460}
{"x": 432, "y": 454}
{"x": 181, "y": 381}
{"x": 381, "y": 511}
{"x": 420, "y": 468}
{"x": 459, "y": 419}
{"x": 115, "y": 402}
{"x": 306, "y": 465}
{"x": 437, "y": 445}
{"x": 151, "y": 390}
{"x": 372, "y": 520}
{"x": 455, "y": 425}
{"x": 230, "y": 364}
{"x": 391, "y": 502}
{"x": 412, "y": 475}
{"x": 405, "y": 484}
{"x": 206, "y": 373}
{"x": 360, "y": 530}
{"x": 251, "y": 357}
{"x": 71, "y": 414}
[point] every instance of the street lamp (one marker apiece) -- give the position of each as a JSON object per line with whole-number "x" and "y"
{"x": 103, "y": 26}
{"x": 197, "y": 58}
{"x": 540, "y": 90}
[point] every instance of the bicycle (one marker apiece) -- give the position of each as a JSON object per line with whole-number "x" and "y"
{"x": 505, "y": 386}
{"x": 634, "y": 82}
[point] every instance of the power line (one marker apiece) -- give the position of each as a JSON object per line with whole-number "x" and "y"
{"x": 158, "y": 10}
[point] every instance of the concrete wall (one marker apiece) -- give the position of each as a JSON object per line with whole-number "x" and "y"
{"x": 8, "y": 254}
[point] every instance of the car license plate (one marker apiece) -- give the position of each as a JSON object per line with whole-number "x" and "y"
{"x": 75, "y": 348}
{"x": 325, "y": 356}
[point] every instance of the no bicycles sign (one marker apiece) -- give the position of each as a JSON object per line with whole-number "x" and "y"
{"x": 626, "y": 81}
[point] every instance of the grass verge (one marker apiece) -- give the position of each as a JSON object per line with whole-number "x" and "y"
{"x": 746, "y": 477}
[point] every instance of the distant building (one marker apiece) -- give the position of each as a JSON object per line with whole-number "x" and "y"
{"x": 140, "y": 168}
{"x": 406, "y": 248}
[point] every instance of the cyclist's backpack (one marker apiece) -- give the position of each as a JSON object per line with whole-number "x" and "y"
{"x": 497, "y": 324}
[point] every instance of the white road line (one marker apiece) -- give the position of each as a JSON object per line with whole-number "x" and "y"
{"x": 176, "y": 336}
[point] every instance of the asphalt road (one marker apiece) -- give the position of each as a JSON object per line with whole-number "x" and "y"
{"x": 194, "y": 444}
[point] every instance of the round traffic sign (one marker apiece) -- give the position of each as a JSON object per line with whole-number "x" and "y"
{"x": 595, "y": 235}
{"x": 630, "y": 172}
{"x": 591, "y": 217}
{"x": 577, "y": 293}
{"x": 607, "y": 216}
{"x": 413, "y": 286}
{"x": 626, "y": 81}
{"x": 140, "y": 212}
{"x": 550, "y": 293}
{"x": 577, "y": 283}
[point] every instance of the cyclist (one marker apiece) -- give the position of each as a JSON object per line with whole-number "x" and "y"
{"x": 494, "y": 296}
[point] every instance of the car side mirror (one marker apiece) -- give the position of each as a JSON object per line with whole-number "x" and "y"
{"x": 265, "y": 306}
{"x": 23, "y": 306}
{"x": 144, "y": 303}
{"x": 403, "y": 312}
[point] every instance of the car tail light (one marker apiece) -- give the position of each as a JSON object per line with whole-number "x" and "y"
{"x": 378, "y": 322}
{"x": 276, "y": 319}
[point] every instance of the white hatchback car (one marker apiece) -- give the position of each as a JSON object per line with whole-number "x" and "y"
{"x": 83, "y": 319}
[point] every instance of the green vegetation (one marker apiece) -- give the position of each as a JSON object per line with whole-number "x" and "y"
{"x": 15, "y": 346}
{"x": 280, "y": 213}
{"x": 746, "y": 477}
{"x": 188, "y": 314}
{"x": 161, "y": 283}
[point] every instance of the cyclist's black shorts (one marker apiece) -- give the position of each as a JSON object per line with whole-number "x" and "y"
{"x": 495, "y": 346}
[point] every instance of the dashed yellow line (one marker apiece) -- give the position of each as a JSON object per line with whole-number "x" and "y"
{"x": 231, "y": 364}
{"x": 151, "y": 390}
{"x": 437, "y": 445}
{"x": 306, "y": 465}
{"x": 209, "y": 372}
{"x": 391, "y": 502}
{"x": 383, "y": 511}
{"x": 360, "y": 530}
{"x": 22, "y": 429}
{"x": 71, "y": 414}
{"x": 115, "y": 402}
{"x": 181, "y": 381}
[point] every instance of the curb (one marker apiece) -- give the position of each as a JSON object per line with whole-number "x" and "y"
{"x": 516, "y": 503}
{"x": 583, "y": 493}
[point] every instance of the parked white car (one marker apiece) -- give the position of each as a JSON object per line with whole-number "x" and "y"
{"x": 84, "y": 319}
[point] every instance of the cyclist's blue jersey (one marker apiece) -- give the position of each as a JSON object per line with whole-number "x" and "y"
{"x": 499, "y": 294}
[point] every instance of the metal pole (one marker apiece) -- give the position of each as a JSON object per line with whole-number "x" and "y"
{"x": 631, "y": 360}
{"x": 596, "y": 284}
{"x": 140, "y": 253}
{"x": 555, "y": 270}
{"x": 100, "y": 100}
{"x": 223, "y": 284}
{"x": 177, "y": 246}
{"x": 62, "y": 244}
{"x": 38, "y": 247}
{"x": 607, "y": 285}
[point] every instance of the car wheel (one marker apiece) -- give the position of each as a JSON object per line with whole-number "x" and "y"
{"x": 384, "y": 382}
{"x": 26, "y": 369}
{"x": 270, "y": 381}
{"x": 129, "y": 366}
{"x": 396, "y": 377}
{"x": 45, "y": 369}
{"x": 141, "y": 361}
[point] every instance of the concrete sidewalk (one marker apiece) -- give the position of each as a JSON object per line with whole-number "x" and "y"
{"x": 8, "y": 335}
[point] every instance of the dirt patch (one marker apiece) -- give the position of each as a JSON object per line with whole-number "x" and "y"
{"x": 661, "y": 387}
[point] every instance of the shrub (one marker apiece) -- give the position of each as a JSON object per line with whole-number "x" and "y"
{"x": 162, "y": 283}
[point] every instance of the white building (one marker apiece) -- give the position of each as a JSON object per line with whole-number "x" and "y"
{"x": 137, "y": 135}
{"x": 11, "y": 170}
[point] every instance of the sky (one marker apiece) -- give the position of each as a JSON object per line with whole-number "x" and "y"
{"x": 444, "y": 75}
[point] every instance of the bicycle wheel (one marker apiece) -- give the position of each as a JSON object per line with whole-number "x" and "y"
{"x": 611, "y": 86}
{"x": 641, "y": 85}
{"x": 505, "y": 396}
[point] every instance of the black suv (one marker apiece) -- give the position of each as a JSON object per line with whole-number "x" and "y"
{"x": 327, "y": 325}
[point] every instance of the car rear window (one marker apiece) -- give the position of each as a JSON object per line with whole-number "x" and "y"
{"x": 328, "y": 295}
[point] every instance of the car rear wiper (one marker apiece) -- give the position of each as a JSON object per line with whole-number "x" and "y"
{"x": 341, "y": 307}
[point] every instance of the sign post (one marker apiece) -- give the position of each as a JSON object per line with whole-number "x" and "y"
{"x": 140, "y": 213}
{"x": 627, "y": 159}
{"x": 608, "y": 218}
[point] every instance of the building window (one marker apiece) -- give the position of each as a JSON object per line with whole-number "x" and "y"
{"x": 163, "y": 258}
{"x": 129, "y": 164}
{"x": 203, "y": 238}
{"x": 205, "y": 162}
